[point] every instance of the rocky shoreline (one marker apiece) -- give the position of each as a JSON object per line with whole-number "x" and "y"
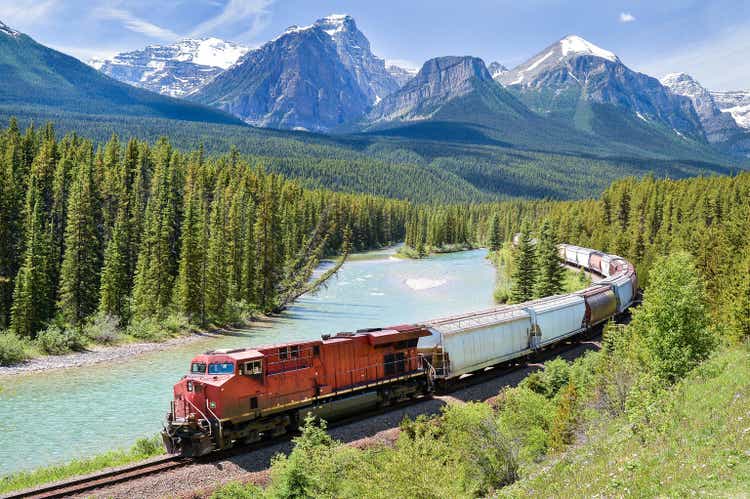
{"x": 102, "y": 353}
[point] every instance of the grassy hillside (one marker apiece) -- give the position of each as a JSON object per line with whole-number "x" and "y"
{"x": 703, "y": 448}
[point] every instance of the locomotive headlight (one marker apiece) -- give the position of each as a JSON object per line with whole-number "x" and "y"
{"x": 190, "y": 386}
{"x": 212, "y": 405}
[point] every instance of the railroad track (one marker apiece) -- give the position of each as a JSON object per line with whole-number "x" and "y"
{"x": 84, "y": 484}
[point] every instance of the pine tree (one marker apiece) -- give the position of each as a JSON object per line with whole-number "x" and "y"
{"x": 524, "y": 273}
{"x": 10, "y": 208}
{"x": 550, "y": 276}
{"x": 31, "y": 307}
{"x": 79, "y": 275}
{"x": 115, "y": 279}
{"x": 495, "y": 238}
{"x": 190, "y": 288}
{"x": 156, "y": 267}
{"x": 268, "y": 255}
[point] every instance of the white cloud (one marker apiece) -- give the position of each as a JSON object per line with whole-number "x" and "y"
{"x": 254, "y": 13}
{"x": 26, "y": 12}
{"x": 136, "y": 24}
{"x": 626, "y": 17}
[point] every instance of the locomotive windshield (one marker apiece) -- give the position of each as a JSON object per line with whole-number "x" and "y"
{"x": 198, "y": 368}
{"x": 221, "y": 368}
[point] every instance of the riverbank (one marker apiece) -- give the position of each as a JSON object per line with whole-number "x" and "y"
{"x": 408, "y": 252}
{"x": 97, "y": 353}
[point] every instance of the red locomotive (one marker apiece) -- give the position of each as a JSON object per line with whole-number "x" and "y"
{"x": 243, "y": 395}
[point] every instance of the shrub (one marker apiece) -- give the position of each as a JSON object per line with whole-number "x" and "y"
{"x": 236, "y": 490}
{"x": 12, "y": 349}
{"x": 527, "y": 417}
{"x": 147, "y": 329}
{"x": 674, "y": 318}
{"x": 566, "y": 418}
{"x": 548, "y": 382}
{"x": 481, "y": 447}
{"x": 104, "y": 329}
{"x": 57, "y": 341}
{"x": 313, "y": 468}
{"x": 148, "y": 447}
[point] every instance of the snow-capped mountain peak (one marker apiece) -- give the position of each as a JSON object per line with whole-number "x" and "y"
{"x": 6, "y": 30}
{"x": 575, "y": 45}
{"x": 719, "y": 126}
{"x": 176, "y": 69}
{"x": 335, "y": 23}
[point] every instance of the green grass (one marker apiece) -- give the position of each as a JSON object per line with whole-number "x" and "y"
{"x": 575, "y": 280}
{"x": 702, "y": 449}
{"x": 144, "y": 448}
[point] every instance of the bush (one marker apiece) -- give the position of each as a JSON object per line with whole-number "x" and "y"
{"x": 313, "y": 468}
{"x": 481, "y": 447}
{"x": 147, "y": 329}
{"x": 548, "y": 382}
{"x": 236, "y": 490}
{"x": 12, "y": 349}
{"x": 104, "y": 329}
{"x": 526, "y": 416}
{"x": 148, "y": 447}
{"x": 57, "y": 341}
{"x": 674, "y": 319}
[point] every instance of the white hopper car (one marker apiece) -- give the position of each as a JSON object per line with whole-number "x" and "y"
{"x": 470, "y": 342}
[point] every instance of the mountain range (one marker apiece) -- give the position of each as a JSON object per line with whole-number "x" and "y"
{"x": 562, "y": 124}
{"x": 38, "y": 77}
{"x": 324, "y": 78}
{"x": 173, "y": 70}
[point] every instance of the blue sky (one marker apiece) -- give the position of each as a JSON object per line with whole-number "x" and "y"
{"x": 708, "y": 39}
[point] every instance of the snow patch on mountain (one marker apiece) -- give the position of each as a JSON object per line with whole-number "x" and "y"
{"x": 6, "y": 30}
{"x": 575, "y": 45}
{"x": 736, "y": 103}
{"x": 177, "y": 69}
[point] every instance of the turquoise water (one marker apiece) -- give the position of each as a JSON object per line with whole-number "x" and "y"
{"x": 53, "y": 417}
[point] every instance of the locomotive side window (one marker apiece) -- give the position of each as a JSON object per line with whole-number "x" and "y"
{"x": 198, "y": 368}
{"x": 283, "y": 353}
{"x": 221, "y": 368}
{"x": 294, "y": 351}
{"x": 254, "y": 368}
{"x": 316, "y": 349}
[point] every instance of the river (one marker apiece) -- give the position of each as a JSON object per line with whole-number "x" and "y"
{"x": 53, "y": 417}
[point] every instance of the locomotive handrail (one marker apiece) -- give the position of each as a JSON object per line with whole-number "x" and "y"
{"x": 218, "y": 421}
{"x": 201, "y": 413}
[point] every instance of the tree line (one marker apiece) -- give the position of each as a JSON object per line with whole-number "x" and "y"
{"x": 638, "y": 219}
{"x": 134, "y": 230}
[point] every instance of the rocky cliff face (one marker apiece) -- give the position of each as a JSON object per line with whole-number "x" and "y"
{"x": 719, "y": 126}
{"x": 174, "y": 70}
{"x": 440, "y": 82}
{"x": 353, "y": 49}
{"x": 317, "y": 77}
{"x": 571, "y": 71}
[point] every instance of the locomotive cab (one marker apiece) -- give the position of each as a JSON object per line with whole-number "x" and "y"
{"x": 194, "y": 423}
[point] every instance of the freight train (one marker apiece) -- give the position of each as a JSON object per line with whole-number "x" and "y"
{"x": 244, "y": 395}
